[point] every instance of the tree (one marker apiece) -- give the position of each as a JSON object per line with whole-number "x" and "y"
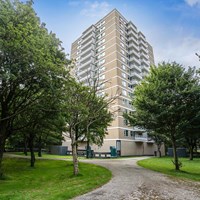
{"x": 158, "y": 139}
{"x": 86, "y": 115}
{"x": 162, "y": 101}
{"x": 31, "y": 60}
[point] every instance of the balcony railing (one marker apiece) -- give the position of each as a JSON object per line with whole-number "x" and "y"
{"x": 87, "y": 56}
{"x": 87, "y": 45}
{"x": 89, "y": 36}
{"x": 88, "y": 31}
{"x": 136, "y": 67}
{"x": 141, "y": 138}
{"x": 145, "y": 62}
{"x": 135, "y": 74}
{"x": 133, "y": 51}
{"x": 145, "y": 68}
{"x": 133, "y": 59}
{"x": 133, "y": 45}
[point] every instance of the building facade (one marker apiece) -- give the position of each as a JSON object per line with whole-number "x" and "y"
{"x": 114, "y": 50}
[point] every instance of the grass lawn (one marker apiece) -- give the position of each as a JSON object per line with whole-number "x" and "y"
{"x": 49, "y": 156}
{"x": 190, "y": 169}
{"x": 49, "y": 180}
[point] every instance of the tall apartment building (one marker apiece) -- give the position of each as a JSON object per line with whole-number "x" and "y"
{"x": 114, "y": 49}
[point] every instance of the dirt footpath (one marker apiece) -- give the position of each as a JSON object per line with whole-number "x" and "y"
{"x": 131, "y": 182}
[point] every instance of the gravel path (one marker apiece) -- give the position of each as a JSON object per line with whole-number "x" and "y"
{"x": 131, "y": 182}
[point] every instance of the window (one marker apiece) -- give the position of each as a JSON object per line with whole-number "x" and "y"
{"x": 102, "y": 61}
{"x": 102, "y": 29}
{"x": 132, "y": 133}
{"x": 123, "y": 75}
{"x": 126, "y": 133}
{"x": 101, "y": 48}
{"x": 101, "y": 55}
{"x": 124, "y": 101}
{"x": 102, "y": 69}
{"x": 102, "y": 77}
{"x": 123, "y": 67}
{"x": 124, "y": 92}
{"x": 123, "y": 59}
{"x": 124, "y": 83}
{"x": 122, "y": 38}
{"x": 122, "y": 44}
{"x": 122, "y": 51}
{"x": 125, "y": 122}
{"x": 121, "y": 31}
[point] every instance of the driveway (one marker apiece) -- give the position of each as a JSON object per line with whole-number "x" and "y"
{"x": 131, "y": 182}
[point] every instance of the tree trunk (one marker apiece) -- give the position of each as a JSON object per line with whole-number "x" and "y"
{"x": 191, "y": 148}
{"x": 87, "y": 149}
{"x": 25, "y": 147}
{"x": 31, "y": 146}
{"x": 159, "y": 151}
{"x": 176, "y": 161}
{"x": 2, "y": 145}
{"x": 40, "y": 147}
{"x": 75, "y": 159}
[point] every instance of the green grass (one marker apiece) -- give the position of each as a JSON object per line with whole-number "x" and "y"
{"x": 190, "y": 169}
{"x": 49, "y": 180}
{"x": 48, "y": 156}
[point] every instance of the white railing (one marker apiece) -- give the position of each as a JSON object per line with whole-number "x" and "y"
{"x": 133, "y": 51}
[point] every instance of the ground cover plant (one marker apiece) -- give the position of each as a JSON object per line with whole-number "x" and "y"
{"x": 49, "y": 179}
{"x": 190, "y": 169}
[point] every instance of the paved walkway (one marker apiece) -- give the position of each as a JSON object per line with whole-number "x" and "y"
{"x": 131, "y": 182}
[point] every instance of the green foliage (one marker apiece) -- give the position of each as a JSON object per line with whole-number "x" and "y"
{"x": 190, "y": 169}
{"x": 86, "y": 114}
{"x": 32, "y": 66}
{"x": 164, "y": 102}
{"x": 49, "y": 180}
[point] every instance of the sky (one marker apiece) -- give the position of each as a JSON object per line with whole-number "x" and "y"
{"x": 172, "y": 27}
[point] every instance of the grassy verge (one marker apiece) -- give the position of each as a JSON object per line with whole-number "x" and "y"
{"x": 49, "y": 180}
{"x": 190, "y": 169}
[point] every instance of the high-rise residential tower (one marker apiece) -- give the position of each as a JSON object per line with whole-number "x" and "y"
{"x": 120, "y": 55}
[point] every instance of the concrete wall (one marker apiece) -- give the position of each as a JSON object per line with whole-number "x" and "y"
{"x": 128, "y": 147}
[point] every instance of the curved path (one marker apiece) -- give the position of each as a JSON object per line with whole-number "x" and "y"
{"x": 131, "y": 182}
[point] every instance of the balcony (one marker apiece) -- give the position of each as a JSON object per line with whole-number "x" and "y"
{"x": 145, "y": 56}
{"x": 134, "y": 52}
{"x": 135, "y": 60}
{"x": 134, "y": 46}
{"x": 88, "y": 31}
{"x": 133, "y": 39}
{"x": 87, "y": 47}
{"x": 145, "y": 69}
{"x": 145, "y": 62}
{"x": 141, "y": 35}
{"x": 132, "y": 33}
{"x": 143, "y": 49}
{"x": 85, "y": 65}
{"x": 140, "y": 138}
{"x": 137, "y": 75}
{"x": 84, "y": 73}
{"x": 143, "y": 43}
{"x": 133, "y": 27}
{"x": 135, "y": 82}
{"x": 87, "y": 56}
{"x": 136, "y": 68}
{"x": 88, "y": 38}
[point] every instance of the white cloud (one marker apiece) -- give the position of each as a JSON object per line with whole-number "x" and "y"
{"x": 96, "y": 9}
{"x": 192, "y": 2}
{"x": 180, "y": 50}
